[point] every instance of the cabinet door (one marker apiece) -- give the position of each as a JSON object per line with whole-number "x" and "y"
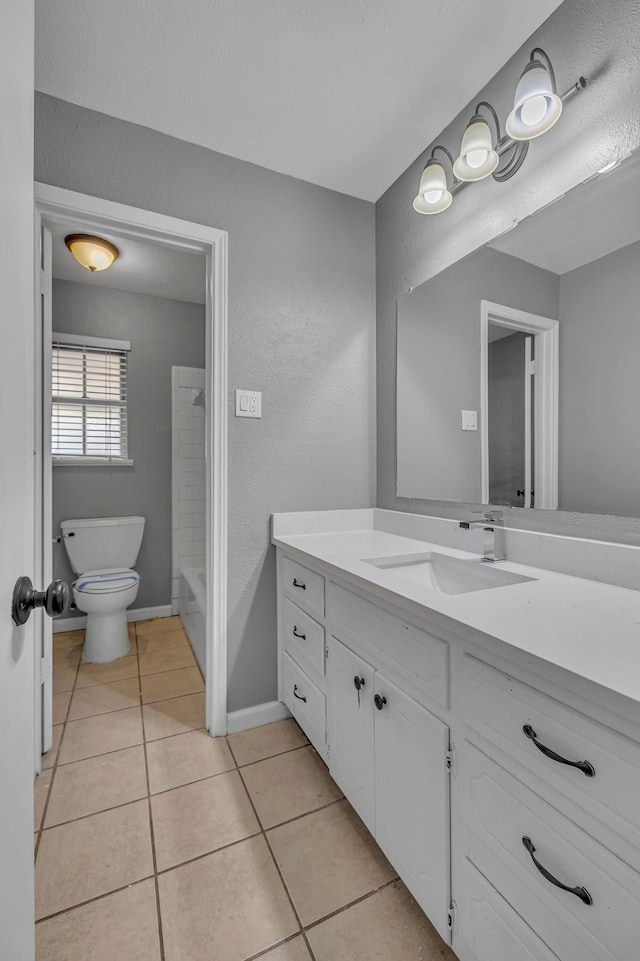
{"x": 412, "y": 798}
{"x": 350, "y": 720}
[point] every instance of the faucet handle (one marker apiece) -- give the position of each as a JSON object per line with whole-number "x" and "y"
{"x": 494, "y": 517}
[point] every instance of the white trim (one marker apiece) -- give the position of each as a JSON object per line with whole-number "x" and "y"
{"x": 57, "y": 205}
{"x": 66, "y": 460}
{"x": 528, "y": 372}
{"x": 63, "y": 624}
{"x": 256, "y": 716}
{"x": 546, "y": 331}
{"x": 79, "y": 340}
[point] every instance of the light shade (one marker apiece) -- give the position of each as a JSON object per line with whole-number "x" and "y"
{"x": 536, "y": 105}
{"x": 94, "y": 253}
{"x": 433, "y": 193}
{"x": 477, "y": 158}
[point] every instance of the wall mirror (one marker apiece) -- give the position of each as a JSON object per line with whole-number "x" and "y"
{"x": 518, "y": 377}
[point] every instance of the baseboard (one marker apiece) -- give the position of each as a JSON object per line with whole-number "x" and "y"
{"x": 256, "y": 716}
{"x": 63, "y": 624}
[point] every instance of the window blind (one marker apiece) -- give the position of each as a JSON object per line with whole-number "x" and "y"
{"x": 88, "y": 400}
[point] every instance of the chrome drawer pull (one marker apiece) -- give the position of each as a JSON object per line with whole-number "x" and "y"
{"x": 302, "y": 637}
{"x": 585, "y": 766}
{"x": 579, "y": 892}
{"x": 302, "y": 587}
{"x": 299, "y": 696}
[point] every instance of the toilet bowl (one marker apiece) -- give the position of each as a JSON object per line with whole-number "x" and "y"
{"x": 104, "y": 596}
{"x": 102, "y": 550}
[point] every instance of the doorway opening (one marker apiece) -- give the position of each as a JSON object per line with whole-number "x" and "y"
{"x": 518, "y": 407}
{"x": 203, "y": 538}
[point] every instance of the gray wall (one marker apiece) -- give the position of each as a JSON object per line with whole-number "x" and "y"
{"x": 593, "y": 37}
{"x": 301, "y": 330}
{"x": 599, "y": 348}
{"x": 439, "y": 367}
{"x": 163, "y": 334}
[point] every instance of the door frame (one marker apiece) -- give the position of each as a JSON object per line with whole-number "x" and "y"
{"x": 546, "y": 332}
{"x": 94, "y": 214}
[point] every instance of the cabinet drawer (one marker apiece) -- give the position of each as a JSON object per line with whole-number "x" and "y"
{"x": 302, "y": 637}
{"x": 490, "y": 927}
{"x": 500, "y": 812}
{"x": 306, "y": 703}
{"x": 303, "y": 586}
{"x": 498, "y": 708}
{"x": 421, "y": 658}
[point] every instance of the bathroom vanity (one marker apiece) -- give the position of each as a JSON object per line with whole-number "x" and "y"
{"x": 483, "y": 720}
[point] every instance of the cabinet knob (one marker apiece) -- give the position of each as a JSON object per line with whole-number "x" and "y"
{"x": 379, "y": 701}
{"x": 358, "y": 682}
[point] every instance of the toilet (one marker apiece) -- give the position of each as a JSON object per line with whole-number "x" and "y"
{"x": 102, "y": 551}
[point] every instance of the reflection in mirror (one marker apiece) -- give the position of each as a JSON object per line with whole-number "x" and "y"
{"x": 510, "y": 430}
{"x": 565, "y": 435}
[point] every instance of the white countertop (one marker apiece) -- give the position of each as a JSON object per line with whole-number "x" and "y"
{"x": 587, "y": 628}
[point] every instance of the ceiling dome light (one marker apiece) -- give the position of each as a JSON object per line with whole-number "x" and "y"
{"x": 433, "y": 194}
{"x": 477, "y": 158}
{"x": 94, "y": 253}
{"x": 536, "y": 105}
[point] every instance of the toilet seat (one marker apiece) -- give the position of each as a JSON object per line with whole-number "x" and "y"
{"x": 109, "y": 581}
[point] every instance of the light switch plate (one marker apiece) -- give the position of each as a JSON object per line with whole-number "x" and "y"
{"x": 248, "y": 403}
{"x": 469, "y": 419}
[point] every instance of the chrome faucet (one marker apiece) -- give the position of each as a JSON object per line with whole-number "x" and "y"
{"x": 493, "y": 540}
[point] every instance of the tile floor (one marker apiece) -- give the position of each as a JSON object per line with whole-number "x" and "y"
{"x": 155, "y": 842}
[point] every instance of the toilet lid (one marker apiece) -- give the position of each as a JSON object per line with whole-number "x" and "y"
{"x": 106, "y": 582}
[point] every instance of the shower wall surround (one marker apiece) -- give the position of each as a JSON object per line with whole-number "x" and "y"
{"x": 187, "y": 474}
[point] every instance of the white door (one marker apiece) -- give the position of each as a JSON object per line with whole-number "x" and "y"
{"x": 43, "y": 569}
{"x": 350, "y": 723}
{"x": 412, "y": 798}
{"x": 17, "y": 493}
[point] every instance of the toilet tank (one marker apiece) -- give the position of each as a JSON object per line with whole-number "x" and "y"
{"x": 101, "y": 543}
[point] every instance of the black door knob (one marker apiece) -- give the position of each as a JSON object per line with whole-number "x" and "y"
{"x": 56, "y": 600}
{"x": 379, "y": 701}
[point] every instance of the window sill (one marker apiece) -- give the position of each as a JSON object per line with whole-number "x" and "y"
{"x": 59, "y": 461}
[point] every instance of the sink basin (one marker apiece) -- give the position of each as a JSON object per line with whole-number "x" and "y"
{"x": 450, "y": 575}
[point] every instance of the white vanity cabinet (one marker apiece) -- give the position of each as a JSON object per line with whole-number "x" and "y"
{"x": 301, "y": 646}
{"x": 506, "y": 794}
{"x": 547, "y": 813}
{"x": 389, "y": 754}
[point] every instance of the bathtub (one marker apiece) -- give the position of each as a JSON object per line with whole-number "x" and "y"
{"x": 193, "y": 610}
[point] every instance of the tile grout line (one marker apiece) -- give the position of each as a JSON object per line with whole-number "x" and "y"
{"x": 275, "y": 863}
{"x": 98, "y": 897}
{"x": 302, "y": 932}
{"x": 351, "y": 904}
{"x": 54, "y": 766}
{"x": 150, "y": 812}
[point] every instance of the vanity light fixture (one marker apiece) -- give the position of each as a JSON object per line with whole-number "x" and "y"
{"x": 434, "y": 195}
{"x": 537, "y": 107}
{"x": 478, "y": 158}
{"x": 94, "y": 253}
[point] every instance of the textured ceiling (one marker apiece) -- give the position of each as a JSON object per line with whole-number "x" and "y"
{"x": 342, "y": 93}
